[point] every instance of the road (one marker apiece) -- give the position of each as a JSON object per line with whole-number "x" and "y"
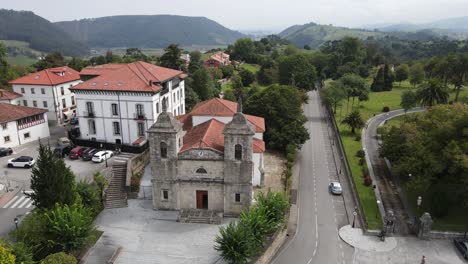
{"x": 320, "y": 214}
{"x": 387, "y": 186}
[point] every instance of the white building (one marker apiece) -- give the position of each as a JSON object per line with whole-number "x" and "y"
{"x": 10, "y": 97}
{"x": 49, "y": 89}
{"x": 20, "y": 124}
{"x": 118, "y": 102}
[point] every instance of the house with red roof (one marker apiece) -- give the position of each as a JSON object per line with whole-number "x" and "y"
{"x": 10, "y": 97}
{"x": 21, "y": 124}
{"x": 117, "y": 103}
{"x": 209, "y": 159}
{"x": 49, "y": 89}
{"x": 218, "y": 59}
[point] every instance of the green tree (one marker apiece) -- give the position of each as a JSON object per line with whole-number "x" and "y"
{"x": 275, "y": 204}
{"x": 5, "y": 70}
{"x": 6, "y": 256}
{"x": 59, "y": 258}
{"x": 379, "y": 81}
{"x": 171, "y": 57}
{"x": 215, "y": 73}
{"x": 388, "y": 78}
{"x": 458, "y": 71}
{"x": 281, "y": 107}
{"x": 90, "y": 196}
{"x": 354, "y": 85}
{"x": 408, "y": 100}
{"x": 416, "y": 74}
{"x": 401, "y": 73}
{"x": 247, "y": 77}
{"x": 69, "y": 227}
{"x": 268, "y": 72}
{"x": 290, "y": 50}
{"x": 134, "y": 54}
{"x": 51, "y": 60}
{"x": 432, "y": 92}
{"x": 333, "y": 94}
{"x": 298, "y": 71}
{"x": 227, "y": 70}
{"x": 259, "y": 224}
{"x": 195, "y": 61}
{"x": 354, "y": 121}
{"x": 23, "y": 253}
{"x": 191, "y": 98}
{"x": 33, "y": 233}
{"x": 234, "y": 242}
{"x": 202, "y": 84}
{"x": 51, "y": 180}
{"x": 243, "y": 49}
{"x": 101, "y": 183}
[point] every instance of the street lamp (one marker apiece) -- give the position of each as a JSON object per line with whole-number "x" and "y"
{"x": 16, "y": 220}
{"x": 409, "y": 176}
{"x": 105, "y": 157}
{"x": 419, "y": 202}
{"x": 354, "y": 215}
{"x": 376, "y": 212}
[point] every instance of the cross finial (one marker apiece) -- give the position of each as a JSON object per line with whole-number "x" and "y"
{"x": 164, "y": 105}
{"x": 239, "y": 104}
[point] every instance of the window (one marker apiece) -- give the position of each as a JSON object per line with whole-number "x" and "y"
{"x": 178, "y": 95}
{"x": 42, "y": 91}
{"x": 62, "y": 91}
{"x": 89, "y": 107}
{"x": 6, "y": 139}
{"x": 165, "y": 194}
{"x": 163, "y": 150}
{"x": 141, "y": 129}
{"x": 27, "y": 135}
{"x": 201, "y": 171}
{"x": 25, "y": 103}
{"x": 238, "y": 152}
{"x": 73, "y": 100}
{"x": 237, "y": 197}
{"x": 157, "y": 108}
{"x": 116, "y": 126}
{"x": 34, "y": 103}
{"x": 115, "y": 111}
{"x": 33, "y": 91}
{"x": 140, "y": 110}
{"x": 173, "y": 97}
{"x": 4, "y": 126}
{"x": 22, "y": 90}
{"x": 92, "y": 127}
{"x": 64, "y": 103}
{"x": 44, "y": 103}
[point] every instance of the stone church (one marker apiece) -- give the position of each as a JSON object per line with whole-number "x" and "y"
{"x": 209, "y": 158}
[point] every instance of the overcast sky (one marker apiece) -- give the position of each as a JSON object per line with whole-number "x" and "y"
{"x": 254, "y": 14}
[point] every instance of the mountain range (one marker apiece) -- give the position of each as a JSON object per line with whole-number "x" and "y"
{"x": 454, "y": 25}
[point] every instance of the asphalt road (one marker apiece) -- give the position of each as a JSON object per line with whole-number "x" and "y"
{"x": 320, "y": 214}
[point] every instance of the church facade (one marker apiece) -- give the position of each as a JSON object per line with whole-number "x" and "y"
{"x": 206, "y": 163}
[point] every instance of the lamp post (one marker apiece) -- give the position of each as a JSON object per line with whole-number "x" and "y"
{"x": 419, "y": 202}
{"x": 376, "y": 212}
{"x": 105, "y": 157}
{"x": 354, "y": 216}
{"x": 409, "y": 176}
{"x": 16, "y": 220}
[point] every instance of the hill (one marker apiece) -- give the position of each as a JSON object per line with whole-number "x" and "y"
{"x": 41, "y": 34}
{"x": 154, "y": 31}
{"x": 315, "y": 35}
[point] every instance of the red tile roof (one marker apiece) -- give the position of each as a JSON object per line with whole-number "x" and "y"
{"x": 9, "y": 112}
{"x": 221, "y": 107}
{"x": 49, "y": 77}
{"x": 8, "y": 95}
{"x": 220, "y": 57}
{"x": 210, "y": 135}
{"x": 134, "y": 76}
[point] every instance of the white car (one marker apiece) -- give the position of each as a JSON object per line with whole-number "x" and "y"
{"x": 335, "y": 188}
{"x": 102, "y": 156}
{"x": 21, "y": 162}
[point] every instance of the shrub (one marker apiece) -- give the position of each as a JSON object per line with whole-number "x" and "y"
{"x": 367, "y": 181}
{"x": 360, "y": 153}
{"x": 90, "y": 196}
{"x": 291, "y": 157}
{"x": 358, "y": 138}
{"x": 6, "y": 256}
{"x": 32, "y": 232}
{"x": 365, "y": 172}
{"x": 438, "y": 202}
{"x": 23, "y": 253}
{"x": 361, "y": 161}
{"x": 259, "y": 223}
{"x": 289, "y": 165}
{"x": 59, "y": 258}
{"x": 386, "y": 109}
{"x": 275, "y": 204}
{"x": 235, "y": 243}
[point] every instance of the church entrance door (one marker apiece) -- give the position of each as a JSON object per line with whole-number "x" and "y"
{"x": 202, "y": 199}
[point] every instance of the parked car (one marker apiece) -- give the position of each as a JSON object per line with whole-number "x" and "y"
{"x": 74, "y": 121}
{"x": 76, "y": 153}
{"x": 21, "y": 162}
{"x": 5, "y": 152}
{"x": 335, "y": 188}
{"x": 462, "y": 246}
{"x": 88, "y": 155}
{"x": 64, "y": 141}
{"x": 62, "y": 151}
{"x": 102, "y": 156}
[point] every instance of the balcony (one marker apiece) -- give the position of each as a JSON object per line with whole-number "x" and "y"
{"x": 139, "y": 116}
{"x": 89, "y": 114}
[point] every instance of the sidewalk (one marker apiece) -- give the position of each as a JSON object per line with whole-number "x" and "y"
{"x": 370, "y": 250}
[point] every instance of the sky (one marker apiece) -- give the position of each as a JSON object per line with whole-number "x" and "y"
{"x": 274, "y": 15}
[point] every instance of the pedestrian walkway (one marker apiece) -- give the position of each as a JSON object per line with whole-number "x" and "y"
{"x": 20, "y": 200}
{"x": 370, "y": 250}
{"x": 123, "y": 157}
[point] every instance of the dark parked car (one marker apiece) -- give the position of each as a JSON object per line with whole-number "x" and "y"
{"x": 5, "y": 152}
{"x": 88, "y": 155}
{"x": 76, "y": 153}
{"x": 62, "y": 151}
{"x": 462, "y": 246}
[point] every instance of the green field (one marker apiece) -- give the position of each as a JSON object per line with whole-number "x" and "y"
{"x": 23, "y": 56}
{"x": 368, "y": 109}
{"x": 251, "y": 67}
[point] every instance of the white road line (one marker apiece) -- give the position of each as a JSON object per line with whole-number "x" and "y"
{"x": 29, "y": 205}
{"x": 24, "y": 203}
{"x": 10, "y": 202}
{"x": 17, "y": 202}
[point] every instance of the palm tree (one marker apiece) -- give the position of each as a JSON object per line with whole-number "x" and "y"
{"x": 432, "y": 92}
{"x": 353, "y": 120}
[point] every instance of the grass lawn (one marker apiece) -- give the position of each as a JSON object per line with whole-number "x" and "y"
{"x": 254, "y": 68}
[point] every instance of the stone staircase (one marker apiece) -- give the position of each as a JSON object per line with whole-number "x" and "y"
{"x": 200, "y": 216}
{"x": 116, "y": 196}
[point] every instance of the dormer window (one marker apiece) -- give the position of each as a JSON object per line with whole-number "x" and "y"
{"x": 201, "y": 171}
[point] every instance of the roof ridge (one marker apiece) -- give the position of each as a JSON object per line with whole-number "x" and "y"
{"x": 47, "y": 73}
{"x": 150, "y": 73}
{"x": 224, "y": 102}
{"x": 137, "y": 74}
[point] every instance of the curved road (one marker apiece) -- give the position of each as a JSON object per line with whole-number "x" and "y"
{"x": 320, "y": 214}
{"x": 389, "y": 190}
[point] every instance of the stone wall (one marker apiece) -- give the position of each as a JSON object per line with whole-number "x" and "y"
{"x": 187, "y": 192}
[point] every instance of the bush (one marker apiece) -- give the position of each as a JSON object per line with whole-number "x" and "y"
{"x": 358, "y": 138}
{"x": 235, "y": 243}
{"x": 365, "y": 172}
{"x": 360, "y": 153}
{"x": 23, "y": 253}
{"x": 6, "y": 256}
{"x": 386, "y": 109}
{"x": 276, "y": 205}
{"x": 259, "y": 223}
{"x": 361, "y": 161}
{"x": 289, "y": 165}
{"x": 59, "y": 258}
{"x": 367, "y": 181}
{"x": 438, "y": 202}
{"x": 290, "y": 157}
{"x": 90, "y": 196}
{"x": 33, "y": 233}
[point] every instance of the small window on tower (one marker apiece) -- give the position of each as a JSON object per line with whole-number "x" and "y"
{"x": 237, "y": 197}
{"x": 165, "y": 194}
{"x": 163, "y": 150}
{"x": 238, "y": 152}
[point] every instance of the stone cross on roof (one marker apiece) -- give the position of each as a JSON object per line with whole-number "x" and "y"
{"x": 239, "y": 104}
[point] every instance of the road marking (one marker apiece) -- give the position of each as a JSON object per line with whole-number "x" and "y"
{"x": 29, "y": 205}
{"x": 24, "y": 203}
{"x": 10, "y": 202}
{"x": 17, "y": 202}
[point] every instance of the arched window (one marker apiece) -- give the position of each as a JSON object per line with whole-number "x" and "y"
{"x": 163, "y": 150}
{"x": 238, "y": 152}
{"x": 201, "y": 171}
